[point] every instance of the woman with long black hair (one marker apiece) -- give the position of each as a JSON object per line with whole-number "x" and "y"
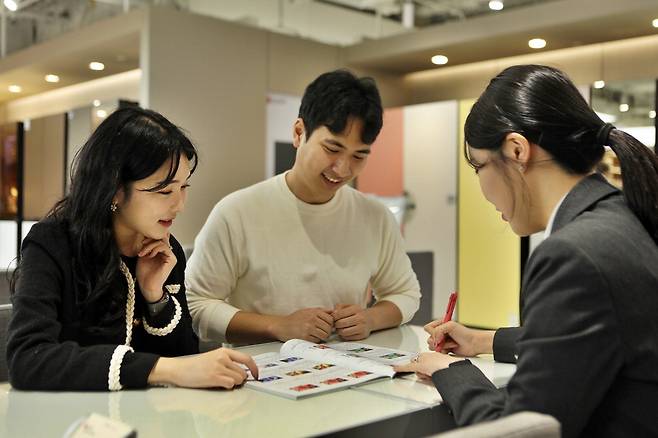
{"x": 587, "y": 351}
{"x": 99, "y": 296}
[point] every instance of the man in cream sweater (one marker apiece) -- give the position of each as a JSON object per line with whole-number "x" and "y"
{"x": 295, "y": 256}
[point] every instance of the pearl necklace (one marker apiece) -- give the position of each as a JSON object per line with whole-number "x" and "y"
{"x": 130, "y": 302}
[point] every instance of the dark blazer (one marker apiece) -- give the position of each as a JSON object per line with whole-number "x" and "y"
{"x": 588, "y": 350}
{"x": 52, "y": 347}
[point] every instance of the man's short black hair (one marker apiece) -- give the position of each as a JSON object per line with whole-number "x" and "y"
{"x": 335, "y": 97}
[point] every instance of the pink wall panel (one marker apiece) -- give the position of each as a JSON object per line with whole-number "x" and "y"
{"x": 383, "y": 173}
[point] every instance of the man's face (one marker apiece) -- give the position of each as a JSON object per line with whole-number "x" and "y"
{"x": 326, "y": 161}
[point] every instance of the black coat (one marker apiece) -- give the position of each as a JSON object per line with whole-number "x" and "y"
{"x": 50, "y": 345}
{"x": 588, "y": 349}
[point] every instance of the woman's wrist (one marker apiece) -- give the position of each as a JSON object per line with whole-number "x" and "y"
{"x": 152, "y": 294}
{"x": 163, "y": 372}
{"x": 485, "y": 341}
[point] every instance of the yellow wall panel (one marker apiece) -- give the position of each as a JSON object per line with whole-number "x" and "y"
{"x": 489, "y": 252}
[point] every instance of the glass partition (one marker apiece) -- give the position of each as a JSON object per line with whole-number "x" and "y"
{"x": 9, "y": 171}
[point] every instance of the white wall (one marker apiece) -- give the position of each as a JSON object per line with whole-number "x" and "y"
{"x": 430, "y": 176}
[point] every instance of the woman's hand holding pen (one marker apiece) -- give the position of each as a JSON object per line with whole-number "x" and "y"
{"x": 459, "y": 340}
{"x": 155, "y": 263}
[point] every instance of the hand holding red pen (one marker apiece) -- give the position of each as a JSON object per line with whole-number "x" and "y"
{"x": 452, "y": 303}
{"x": 460, "y": 340}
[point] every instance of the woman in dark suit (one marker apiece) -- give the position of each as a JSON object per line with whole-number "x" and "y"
{"x": 99, "y": 297}
{"x": 588, "y": 347}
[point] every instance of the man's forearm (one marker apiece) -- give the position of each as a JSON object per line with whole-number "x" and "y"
{"x": 249, "y": 327}
{"x": 384, "y": 315}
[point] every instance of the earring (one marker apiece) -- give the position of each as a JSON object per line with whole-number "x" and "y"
{"x": 113, "y": 207}
{"x": 521, "y": 168}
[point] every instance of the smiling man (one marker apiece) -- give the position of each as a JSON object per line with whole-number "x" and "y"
{"x": 295, "y": 256}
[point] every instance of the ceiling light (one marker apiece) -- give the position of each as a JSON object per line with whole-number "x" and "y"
{"x": 14, "y": 88}
{"x": 11, "y": 5}
{"x": 496, "y": 5}
{"x": 439, "y": 59}
{"x": 654, "y": 22}
{"x": 537, "y": 43}
{"x": 97, "y": 66}
{"x": 101, "y": 113}
{"x": 599, "y": 84}
{"x": 52, "y": 78}
{"x": 652, "y": 114}
{"x": 96, "y": 103}
{"x": 624, "y": 107}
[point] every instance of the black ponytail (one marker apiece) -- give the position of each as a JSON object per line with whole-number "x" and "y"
{"x": 639, "y": 174}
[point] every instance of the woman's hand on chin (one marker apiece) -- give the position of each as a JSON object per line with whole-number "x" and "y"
{"x": 154, "y": 264}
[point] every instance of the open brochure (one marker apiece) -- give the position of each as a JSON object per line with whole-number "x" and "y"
{"x": 303, "y": 368}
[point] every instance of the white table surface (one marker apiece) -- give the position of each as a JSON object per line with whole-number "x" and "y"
{"x": 244, "y": 412}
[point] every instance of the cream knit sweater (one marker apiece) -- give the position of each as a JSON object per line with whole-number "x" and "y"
{"x": 263, "y": 250}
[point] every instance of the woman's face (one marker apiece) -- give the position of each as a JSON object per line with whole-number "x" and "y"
{"x": 151, "y": 214}
{"x": 502, "y": 185}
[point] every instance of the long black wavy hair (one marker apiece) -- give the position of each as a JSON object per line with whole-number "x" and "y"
{"x": 542, "y": 104}
{"x": 129, "y": 145}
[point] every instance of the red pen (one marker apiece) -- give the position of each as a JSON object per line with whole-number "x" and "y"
{"x": 452, "y": 302}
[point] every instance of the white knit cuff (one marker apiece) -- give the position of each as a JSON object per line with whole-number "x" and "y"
{"x": 164, "y": 331}
{"x": 408, "y": 303}
{"x": 114, "y": 375}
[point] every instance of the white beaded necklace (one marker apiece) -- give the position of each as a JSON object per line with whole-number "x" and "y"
{"x": 130, "y": 302}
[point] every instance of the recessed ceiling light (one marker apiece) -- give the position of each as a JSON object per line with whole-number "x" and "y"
{"x": 15, "y": 88}
{"x": 537, "y": 43}
{"x": 97, "y": 66}
{"x": 496, "y": 5}
{"x": 655, "y": 22}
{"x": 624, "y": 107}
{"x": 439, "y": 59}
{"x": 96, "y": 103}
{"x": 11, "y": 5}
{"x": 101, "y": 113}
{"x": 52, "y": 78}
{"x": 652, "y": 114}
{"x": 599, "y": 84}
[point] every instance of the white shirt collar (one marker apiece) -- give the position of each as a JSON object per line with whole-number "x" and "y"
{"x": 549, "y": 227}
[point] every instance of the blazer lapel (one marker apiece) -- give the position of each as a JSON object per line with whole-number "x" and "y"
{"x": 586, "y": 193}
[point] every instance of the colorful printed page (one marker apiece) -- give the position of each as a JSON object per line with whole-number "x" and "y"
{"x": 303, "y": 368}
{"x": 352, "y": 355}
